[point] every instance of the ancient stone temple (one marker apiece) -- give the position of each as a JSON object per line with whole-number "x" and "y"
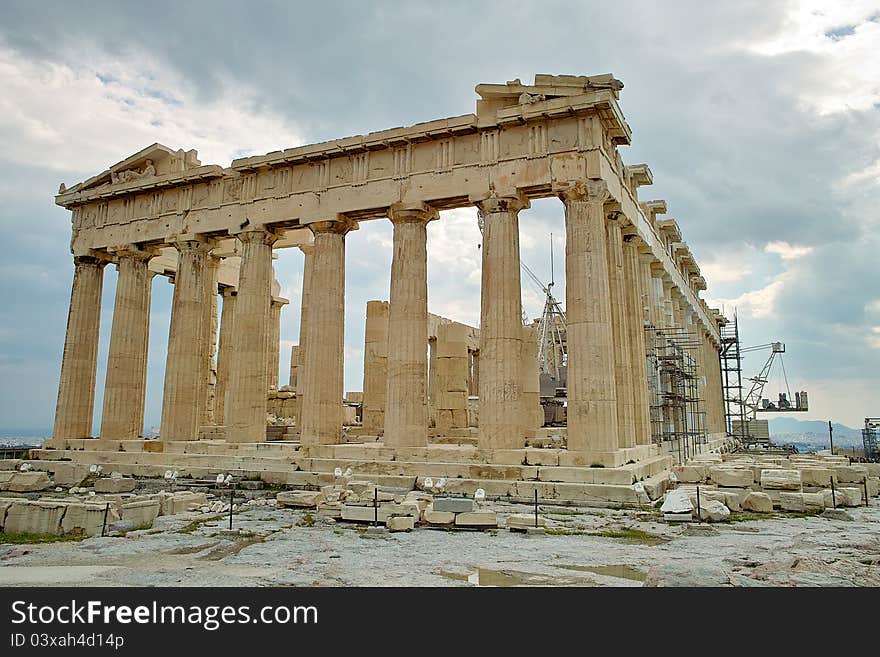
{"x": 440, "y": 398}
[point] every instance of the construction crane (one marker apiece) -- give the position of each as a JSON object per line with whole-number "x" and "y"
{"x": 552, "y": 351}
{"x": 755, "y": 401}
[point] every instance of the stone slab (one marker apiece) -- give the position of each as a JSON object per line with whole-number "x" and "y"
{"x": 481, "y": 519}
{"x": 453, "y": 504}
{"x": 114, "y": 485}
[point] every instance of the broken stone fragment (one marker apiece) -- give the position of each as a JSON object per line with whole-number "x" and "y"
{"x": 114, "y": 485}
{"x": 300, "y": 498}
{"x": 758, "y": 502}
{"x": 400, "y": 523}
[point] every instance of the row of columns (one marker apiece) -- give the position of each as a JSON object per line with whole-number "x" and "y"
{"x": 609, "y": 286}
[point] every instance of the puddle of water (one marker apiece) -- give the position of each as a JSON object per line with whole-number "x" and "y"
{"x": 618, "y": 570}
{"x": 489, "y": 577}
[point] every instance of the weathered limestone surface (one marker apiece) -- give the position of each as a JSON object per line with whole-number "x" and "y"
{"x": 322, "y": 376}
{"x": 623, "y": 367}
{"x": 501, "y": 326}
{"x": 635, "y": 324}
{"x": 592, "y": 391}
{"x": 532, "y": 411}
{"x": 451, "y": 376}
{"x": 224, "y": 353}
{"x": 246, "y": 397}
{"x": 308, "y": 251}
{"x": 375, "y": 365}
{"x": 406, "y": 411}
{"x": 76, "y": 390}
{"x": 125, "y": 383}
{"x": 185, "y": 366}
{"x": 209, "y": 339}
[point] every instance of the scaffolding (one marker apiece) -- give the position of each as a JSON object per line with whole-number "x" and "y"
{"x": 731, "y": 371}
{"x": 678, "y": 416}
{"x": 871, "y": 438}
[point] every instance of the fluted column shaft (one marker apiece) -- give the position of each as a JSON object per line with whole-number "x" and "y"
{"x": 76, "y": 388}
{"x": 308, "y": 251}
{"x": 209, "y": 338}
{"x": 323, "y": 371}
{"x": 375, "y": 366}
{"x": 274, "y": 337}
{"x": 623, "y": 367}
{"x": 633, "y": 288}
{"x": 125, "y": 384}
{"x": 224, "y": 353}
{"x": 500, "y": 388}
{"x": 246, "y": 400}
{"x": 406, "y": 411}
{"x": 592, "y": 393}
{"x": 184, "y": 394}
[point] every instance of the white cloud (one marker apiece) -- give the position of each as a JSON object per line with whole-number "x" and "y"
{"x": 845, "y": 34}
{"x": 788, "y": 251}
{"x": 84, "y": 117}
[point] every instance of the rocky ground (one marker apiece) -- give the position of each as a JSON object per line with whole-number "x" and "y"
{"x": 583, "y": 547}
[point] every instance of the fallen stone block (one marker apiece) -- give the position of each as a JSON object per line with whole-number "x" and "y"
{"x": 403, "y": 509}
{"x": 522, "y": 521}
{"x": 454, "y": 504}
{"x": 736, "y": 477}
{"x": 400, "y": 523}
{"x": 816, "y": 476}
{"x": 733, "y": 501}
{"x": 678, "y": 517}
{"x": 363, "y": 513}
{"x": 814, "y": 502}
{"x": 790, "y": 501}
{"x": 873, "y": 486}
{"x": 677, "y": 502}
{"x": 758, "y": 502}
{"x": 853, "y": 495}
{"x": 836, "y": 514}
{"x": 173, "y": 503}
{"x": 114, "y": 485}
{"x": 713, "y": 511}
{"x": 438, "y": 517}
{"x": 781, "y": 479}
{"x": 331, "y": 510}
{"x": 34, "y": 518}
{"x": 481, "y": 519}
{"x": 300, "y": 498}
{"x": 4, "y": 507}
{"x": 851, "y": 474}
{"x": 141, "y": 512}
{"x": 87, "y": 518}
{"x": 690, "y": 474}
{"x": 25, "y": 482}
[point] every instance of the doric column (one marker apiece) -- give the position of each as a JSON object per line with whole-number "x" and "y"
{"x": 209, "y": 333}
{"x": 634, "y": 305}
{"x": 246, "y": 399}
{"x": 375, "y": 366}
{"x": 323, "y": 375}
{"x": 224, "y": 353}
{"x": 274, "y": 341}
{"x": 592, "y": 393}
{"x": 501, "y": 325}
{"x": 308, "y": 251}
{"x": 184, "y": 395}
{"x": 406, "y": 400}
{"x": 125, "y": 385}
{"x": 623, "y": 366}
{"x": 668, "y": 313}
{"x": 649, "y": 296}
{"x": 294, "y": 367}
{"x": 76, "y": 389}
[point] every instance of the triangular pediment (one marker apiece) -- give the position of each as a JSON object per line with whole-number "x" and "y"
{"x": 154, "y": 160}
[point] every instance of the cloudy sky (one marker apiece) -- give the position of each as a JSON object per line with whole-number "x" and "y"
{"x": 760, "y": 121}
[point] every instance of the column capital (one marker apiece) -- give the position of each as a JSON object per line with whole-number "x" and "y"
{"x": 87, "y": 260}
{"x": 135, "y": 252}
{"x": 257, "y": 236}
{"x": 192, "y": 244}
{"x": 307, "y": 249}
{"x": 280, "y": 301}
{"x": 591, "y": 190}
{"x": 412, "y": 213}
{"x": 493, "y": 203}
{"x": 339, "y": 226}
{"x": 227, "y": 291}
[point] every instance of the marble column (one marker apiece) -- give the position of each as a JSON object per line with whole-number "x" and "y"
{"x": 623, "y": 367}
{"x": 323, "y": 371}
{"x": 184, "y": 394}
{"x": 76, "y": 389}
{"x": 274, "y": 341}
{"x": 501, "y": 326}
{"x": 308, "y": 251}
{"x": 224, "y": 353}
{"x": 375, "y": 366}
{"x": 592, "y": 393}
{"x": 246, "y": 399}
{"x": 634, "y": 307}
{"x": 125, "y": 384}
{"x": 406, "y": 399}
{"x": 209, "y": 333}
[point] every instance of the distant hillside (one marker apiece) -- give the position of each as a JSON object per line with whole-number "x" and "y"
{"x": 789, "y": 430}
